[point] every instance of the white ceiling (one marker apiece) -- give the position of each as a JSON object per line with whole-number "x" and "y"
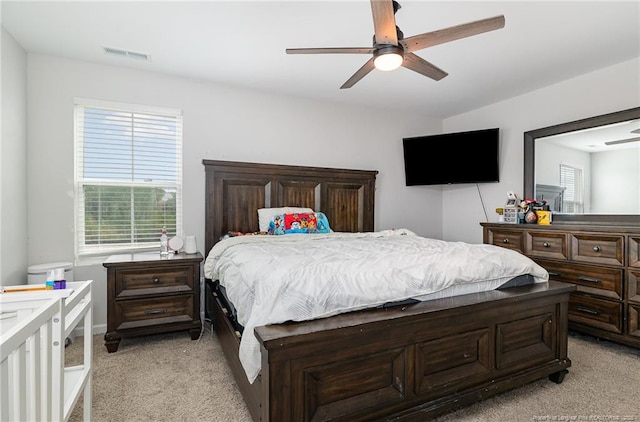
{"x": 243, "y": 43}
{"x": 623, "y": 134}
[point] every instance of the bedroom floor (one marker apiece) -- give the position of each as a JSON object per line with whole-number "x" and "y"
{"x": 168, "y": 377}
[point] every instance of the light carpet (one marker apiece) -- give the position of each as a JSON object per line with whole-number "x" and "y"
{"x": 169, "y": 377}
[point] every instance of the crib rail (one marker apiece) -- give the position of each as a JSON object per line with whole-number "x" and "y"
{"x": 25, "y": 366}
{"x": 35, "y": 385}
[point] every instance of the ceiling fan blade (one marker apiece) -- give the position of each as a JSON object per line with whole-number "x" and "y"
{"x": 337, "y": 50}
{"x": 384, "y": 22}
{"x": 441, "y": 36}
{"x": 622, "y": 141}
{"x": 361, "y": 73}
{"x": 420, "y": 65}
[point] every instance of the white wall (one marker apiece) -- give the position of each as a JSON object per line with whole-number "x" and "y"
{"x": 549, "y": 156}
{"x": 13, "y": 163}
{"x": 603, "y": 91}
{"x": 618, "y": 176}
{"x": 220, "y": 122}
{"x": 223, "y": 122}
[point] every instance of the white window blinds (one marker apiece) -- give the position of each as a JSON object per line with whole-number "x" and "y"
{"x": 128, "y": 177}
{"x": 571, "y": 179}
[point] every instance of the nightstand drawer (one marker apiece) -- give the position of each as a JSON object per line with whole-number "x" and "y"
{"x": 600, "y": 281}
{"x": 547, "y": 245}
{"x": 146, "y": 281}
{"x": 138, "y": 313}
{"x": 597, "y": 249}
{"x": 599, "y": 313}
{"x": 147, "y": 294}
{"x": 510, "y": 239}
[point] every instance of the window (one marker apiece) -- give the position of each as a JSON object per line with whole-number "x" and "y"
{"x": 128, "y": 176}
{"x": 571, "y": 179}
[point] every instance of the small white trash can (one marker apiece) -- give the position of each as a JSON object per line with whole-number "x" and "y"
{"x": 37, "y": 274}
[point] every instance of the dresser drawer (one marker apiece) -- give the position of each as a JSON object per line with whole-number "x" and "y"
{"x": 510, "y": 239}
{"x": 634, "y": 251}
{"x": 599, "y": 313}
{"x": 137, "y": 313}
{"x": 602, "y": 260}
{"x": 600, "y": 281}
{"x": 597, "y": 249}
{"x": 158, "y": 280}
{"x": 547, "y": 245}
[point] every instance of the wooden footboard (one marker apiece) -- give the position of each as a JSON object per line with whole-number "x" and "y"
{"x": 405, "y": 363}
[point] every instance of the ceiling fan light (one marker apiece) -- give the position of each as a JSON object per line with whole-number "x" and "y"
{"x": 388, "y": 61}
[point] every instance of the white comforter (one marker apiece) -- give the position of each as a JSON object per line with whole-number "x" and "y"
{"x": 273, "y": 279}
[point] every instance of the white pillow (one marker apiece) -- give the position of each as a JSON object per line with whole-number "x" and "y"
{"x": 265, "y": 215}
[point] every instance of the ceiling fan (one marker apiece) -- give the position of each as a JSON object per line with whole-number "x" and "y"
{"x": 391, "y": 50}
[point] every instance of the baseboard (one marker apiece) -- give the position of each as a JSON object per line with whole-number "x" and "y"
{"x": 97, "y": 329}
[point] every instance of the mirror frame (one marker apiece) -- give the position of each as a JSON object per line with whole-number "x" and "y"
{"x": 529, "y": 163}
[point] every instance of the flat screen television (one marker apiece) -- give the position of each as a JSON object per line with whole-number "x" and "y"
{"x": 451, "y": 158}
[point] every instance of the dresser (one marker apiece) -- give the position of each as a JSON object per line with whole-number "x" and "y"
{"x": 147, "y": 294}
{"x": 603, "y": 261}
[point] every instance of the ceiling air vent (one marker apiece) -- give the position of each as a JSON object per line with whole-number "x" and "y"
{"x": 125, "y": 53}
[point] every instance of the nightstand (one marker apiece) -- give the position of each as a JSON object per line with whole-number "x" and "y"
{"x": 147, "y": 294}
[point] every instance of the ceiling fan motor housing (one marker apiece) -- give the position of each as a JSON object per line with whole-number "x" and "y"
{"x": 399, "y": 34}
{"x": 382, "y": 49}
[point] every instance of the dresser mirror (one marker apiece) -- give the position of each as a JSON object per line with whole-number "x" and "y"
{"x": 588, "y": 170}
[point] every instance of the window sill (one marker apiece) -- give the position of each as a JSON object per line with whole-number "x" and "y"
{"x": 88, "y": 260}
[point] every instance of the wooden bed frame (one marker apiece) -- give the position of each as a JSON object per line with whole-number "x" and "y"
{"x": 405, "y": 363}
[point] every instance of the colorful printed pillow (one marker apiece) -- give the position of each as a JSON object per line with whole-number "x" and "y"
{"x": 312, "y": 222}
{"x": 265, "y": 215}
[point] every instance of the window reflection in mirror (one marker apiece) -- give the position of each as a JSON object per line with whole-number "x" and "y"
{"x": 590, "y": 171}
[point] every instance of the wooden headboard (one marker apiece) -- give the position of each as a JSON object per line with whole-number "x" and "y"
{"x": 235, "y": 190}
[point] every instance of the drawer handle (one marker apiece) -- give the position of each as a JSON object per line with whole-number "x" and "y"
{"x": 156, "y": 311}
{"x": 588, "y": 311}
{"x": 505, "y": 240}
{"x": 546, "y": 244}
{"x": 589, "y": 279}
{"x": 596, "y": 248}
{"x": 155, "y": 280}
{"x": 554, "y": 274}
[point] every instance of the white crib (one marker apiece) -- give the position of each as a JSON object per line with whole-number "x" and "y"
{"x": 35, "y": 385}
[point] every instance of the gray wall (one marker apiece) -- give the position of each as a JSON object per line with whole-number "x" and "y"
{"x": 604, "y": 91}
{"x": 549, "y": 156}
{"x": 616, "y": 186}
{"x": 13, "y": 163}
{"x": 220, "y": 122}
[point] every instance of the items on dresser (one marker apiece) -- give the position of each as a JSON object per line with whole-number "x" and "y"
{"x": 603, "y": 261}
{"x": 147, "y": 294}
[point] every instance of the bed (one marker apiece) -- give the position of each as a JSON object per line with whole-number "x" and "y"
{"x": 411, "y": 360}
{"x": 36, "y": 385}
